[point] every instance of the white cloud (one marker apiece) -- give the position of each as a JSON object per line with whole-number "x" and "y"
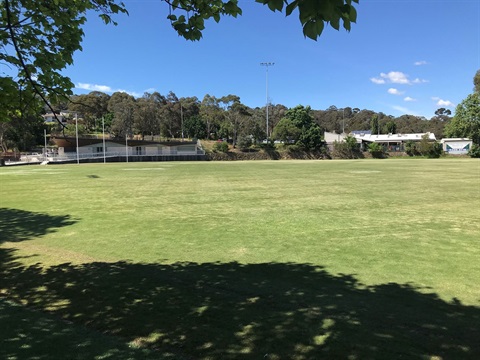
{"x": 421, "y": 62}
{"x": 94, "y": 87}
{"x": 377, "y": 80}
{"x": 408, "y": 98}
{"x": 419, "y": 81}
{"x": 106, "y": 89}
{"x": 132, "y": 93}
{"x": 396, "y": 77}
{"x": 404, "y": 110}
{"x": 394, "y": 91}
{"x": 441, "y": 102}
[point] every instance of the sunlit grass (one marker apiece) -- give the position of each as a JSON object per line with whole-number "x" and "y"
{"x": 398, "y": 220}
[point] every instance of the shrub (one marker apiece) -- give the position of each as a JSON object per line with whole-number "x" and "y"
{"x": 311, "y": 138}
{"x": 435, "y": 150}
{"x": 411, "y": 149}
{"x": 474, "y": 151}
{"x": 220, "y": 146}
{"x": 376, "y": 150}
{"x": 424, "y": 148}
{"x": 293, "y": 148}
{"x": 244, "y": 142}
{"x": 348, "y": 149}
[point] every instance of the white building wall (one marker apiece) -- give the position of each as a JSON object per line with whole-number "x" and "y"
{"x": 330, "y": 138}
{"x": 457, "y": 146}
{"x": 187, "y": 149}
{"x": 152, "y": 150}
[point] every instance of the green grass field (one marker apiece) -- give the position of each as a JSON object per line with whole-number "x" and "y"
{"x": 356, "y": 259}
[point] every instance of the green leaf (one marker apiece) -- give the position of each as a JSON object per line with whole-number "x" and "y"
{"x": 353, "y": 14}
{"x": 319, "y": 27}
{"x": 313, "y": 28}
{"x": 275, "y": 5}
{"x": 231, "y": 8}
{"x": 335, "y": 23}
{"x": 290, "y": 7}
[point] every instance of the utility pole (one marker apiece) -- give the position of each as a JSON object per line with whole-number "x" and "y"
{"x": 181, "y": 117}
{"x": 267, "y": 64}
{"x": 76, "y": 136}
{"x": 103, "y": 136}
{"x": 45, "y": 148}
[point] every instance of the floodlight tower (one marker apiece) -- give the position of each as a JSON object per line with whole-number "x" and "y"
{"x": 76, "y": 136}
{"x": 267, "y": 64}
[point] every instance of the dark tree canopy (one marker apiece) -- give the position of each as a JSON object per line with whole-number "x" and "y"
{"x": 313, "y": 14}
{"x": 476, "y": 82}
{"x": 38, "y": 40}
{"x": 466, "y": 122}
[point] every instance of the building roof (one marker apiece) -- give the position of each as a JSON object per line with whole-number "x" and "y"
{"x": 359, "y": 132}
{"x": 394, "y": 137}
{"x": 454, "y": 139}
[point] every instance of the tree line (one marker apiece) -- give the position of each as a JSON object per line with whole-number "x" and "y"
{"x": 226, "y": 117}
{"x": 170, "y": 117}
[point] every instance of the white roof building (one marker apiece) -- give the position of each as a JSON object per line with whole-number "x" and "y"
{"x": 456, "y": 146}
{"x": 61, "y": 116}
{"x": 330, "y": 137}
{"x": 394, "y": 138}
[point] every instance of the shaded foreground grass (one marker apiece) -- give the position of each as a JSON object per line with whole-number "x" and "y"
{"x": 246, "y": 261}
{"x": 27, "y": 334}
{"x": 235, "y": 311}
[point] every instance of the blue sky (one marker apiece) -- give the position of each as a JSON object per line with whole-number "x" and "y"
{"x": 402, "y": 57}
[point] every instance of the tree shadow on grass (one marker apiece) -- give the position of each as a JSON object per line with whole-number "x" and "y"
{"x": 27, "y": 334}
{"x": 20, "y": 225}
{"x": 248, "y": 311}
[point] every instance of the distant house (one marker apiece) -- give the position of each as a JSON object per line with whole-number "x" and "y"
{"x": 393, "y": 142}
{"x": 456, "y": 146}
{"x": 330, "y": 137}
{"x": 62, "y": 116}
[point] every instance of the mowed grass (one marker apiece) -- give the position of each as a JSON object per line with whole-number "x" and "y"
{"x": 248, "y": 260}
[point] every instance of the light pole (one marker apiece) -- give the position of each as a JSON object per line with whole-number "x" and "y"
{"x": 126, "y": 147}
{"x": 181, "y": 117}
{"x": 103, "y": 137}
{"x": 76, "y": 135}
{"x": 267, "y": 64}
{"x": 45, "y": 148}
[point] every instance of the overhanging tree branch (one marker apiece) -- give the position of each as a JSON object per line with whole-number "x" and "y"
{"x": 28, "y": 75}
